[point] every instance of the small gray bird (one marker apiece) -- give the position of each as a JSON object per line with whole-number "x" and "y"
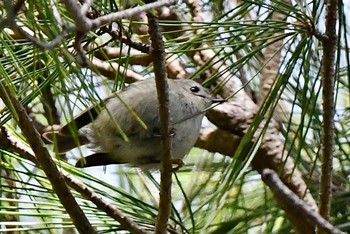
{"x": 124, "y": 128}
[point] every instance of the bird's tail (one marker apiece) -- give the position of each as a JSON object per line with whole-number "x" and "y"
{"x": 96, "y": 159}
{"x": 64, "y": 142}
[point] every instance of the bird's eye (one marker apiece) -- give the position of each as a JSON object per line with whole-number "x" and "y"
{"x": 195, "y": 89}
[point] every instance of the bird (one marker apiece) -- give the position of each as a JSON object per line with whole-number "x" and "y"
{"x": 125, "y": 127}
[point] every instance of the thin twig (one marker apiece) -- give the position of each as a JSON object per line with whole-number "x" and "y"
{"x": 294, "y": 203}
{"x": 158, "y": 54}
{"x": 328, "y": 80}
{"x": 106, "y": 19}
{"x": 103, "y": 205}
{"x": 126, "y": 40}
{"x": 84, "y": 24}
{"x": 45, "y": 44}
{"x": 82, "y": 58}
{"x": 44, "y": 160}
{"x": 10, "y": 20}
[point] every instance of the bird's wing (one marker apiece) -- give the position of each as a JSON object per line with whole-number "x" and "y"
{"x": 85, "y": 117}
{"x": 65, "y": 137}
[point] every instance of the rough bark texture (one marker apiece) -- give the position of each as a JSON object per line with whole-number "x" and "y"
{"x": 235, "y": 116}
{"x": 328, "y": 80}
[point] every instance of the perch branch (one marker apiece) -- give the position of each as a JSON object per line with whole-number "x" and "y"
{"x": 158, "y": 55}
{"x": 328, "y": 80}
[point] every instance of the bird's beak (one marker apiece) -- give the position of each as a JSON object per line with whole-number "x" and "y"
{"x": 218, "y": 100}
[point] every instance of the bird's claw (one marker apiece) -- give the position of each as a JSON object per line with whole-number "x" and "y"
{"x": 178, "y": 163}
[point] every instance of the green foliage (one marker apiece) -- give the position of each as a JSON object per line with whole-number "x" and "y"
{"x": 212, "y": 193}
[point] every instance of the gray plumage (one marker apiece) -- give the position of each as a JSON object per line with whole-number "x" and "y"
{"x": 126, "y": 130}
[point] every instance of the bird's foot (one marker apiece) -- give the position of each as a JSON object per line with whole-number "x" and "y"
{"x": 177, "y": 164}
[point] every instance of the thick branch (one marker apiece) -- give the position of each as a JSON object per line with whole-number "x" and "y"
{"x": 294, "y": 204}
{"x": 112, "y": 69}
{"x": 174, "y": 68}
{"x": 272, "y": 61}
{"x": 237, "y": 115}
{"x": 217, "y": 140}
